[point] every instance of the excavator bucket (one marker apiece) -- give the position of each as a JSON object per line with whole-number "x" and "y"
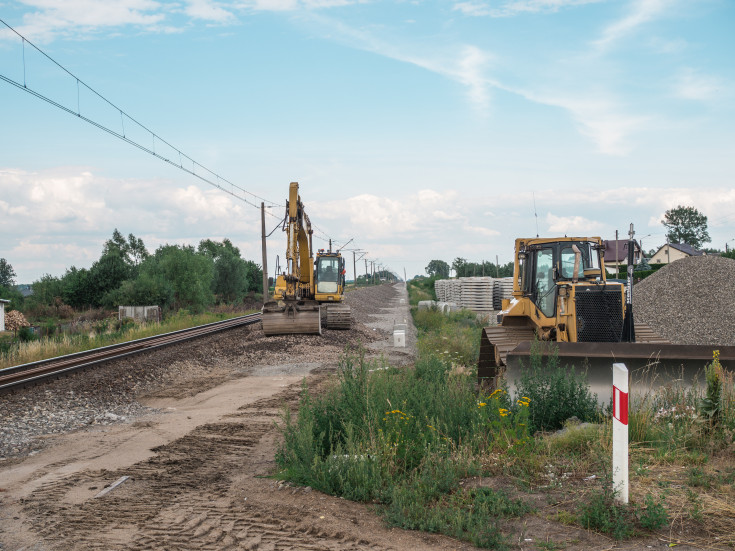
{"x": 292, "y": 318}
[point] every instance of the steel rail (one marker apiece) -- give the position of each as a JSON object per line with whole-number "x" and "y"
{"x": 34, "y": 372}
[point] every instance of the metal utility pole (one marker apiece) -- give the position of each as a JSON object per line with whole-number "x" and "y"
{"x": 366, "y": 272}
{"x": 404, "y": 275}
{"x": 265, "y": 256}
{"x": 354, "y": 267}
{"x": 628, "y": 325}
{"x": 617, "y": 264}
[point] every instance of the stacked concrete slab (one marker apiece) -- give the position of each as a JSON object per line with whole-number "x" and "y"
{"x": 441, "y": 288}
{"x": 502, "y": 289}
{"x": 473, "y": 293}
{"x": 477, "y": 294}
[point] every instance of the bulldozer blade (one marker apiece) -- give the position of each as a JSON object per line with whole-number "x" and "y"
{"x": 650, "y": 365}
{"x": 291, "y": 319}
{"x": 339, "y": 316}
{"x": 504, "y": 349}
{"x": 638, "y": 354}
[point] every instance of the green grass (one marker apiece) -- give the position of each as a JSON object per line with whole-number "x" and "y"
{"x": 406, "y": 439}
{"x": 102, "y": 333}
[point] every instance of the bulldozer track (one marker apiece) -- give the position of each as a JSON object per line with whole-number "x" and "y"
{"x": 32, "y": 373}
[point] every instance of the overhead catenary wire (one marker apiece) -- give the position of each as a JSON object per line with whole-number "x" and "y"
{"x": 184, "y": 162}
{"x": 214, "y": 178}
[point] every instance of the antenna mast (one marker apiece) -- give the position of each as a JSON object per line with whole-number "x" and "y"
{"x": 534, "y": 211}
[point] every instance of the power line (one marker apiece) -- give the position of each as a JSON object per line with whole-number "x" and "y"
{"x": 197, "y": 169}
{"x": 204, "y": 173}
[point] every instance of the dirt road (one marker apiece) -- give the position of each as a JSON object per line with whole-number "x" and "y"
{"x": 198, "y": 453}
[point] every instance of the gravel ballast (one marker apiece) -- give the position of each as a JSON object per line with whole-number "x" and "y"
{"x": 690, "y": 301}
{"x": 108, "y": 394}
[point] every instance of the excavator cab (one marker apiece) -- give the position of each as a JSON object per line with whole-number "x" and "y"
{"x": 330, "y": 286}
{"x": 328, "y": 278}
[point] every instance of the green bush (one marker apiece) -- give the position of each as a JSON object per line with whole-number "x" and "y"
{"x": 25, "y": 334}
{"x": 605, "y": 514}
{"x": 555, "y": 393}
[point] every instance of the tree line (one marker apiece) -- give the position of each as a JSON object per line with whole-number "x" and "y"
{"x": 463, "y": 268}
{"x": 173, "y": 277}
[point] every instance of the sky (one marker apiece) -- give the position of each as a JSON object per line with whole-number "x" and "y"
{"x": 417, "y": 130}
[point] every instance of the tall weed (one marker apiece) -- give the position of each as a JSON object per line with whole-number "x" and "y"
{"x": 556, "y": 393}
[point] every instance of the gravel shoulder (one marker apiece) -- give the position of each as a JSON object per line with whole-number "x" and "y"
{"x": 194, "y": 428}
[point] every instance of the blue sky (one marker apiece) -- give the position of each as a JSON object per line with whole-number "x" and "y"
{"x": 419, "y": 129}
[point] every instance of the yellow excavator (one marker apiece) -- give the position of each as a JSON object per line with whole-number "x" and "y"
{"x": 561, "y": 295}
{"x": 307, "y": 290}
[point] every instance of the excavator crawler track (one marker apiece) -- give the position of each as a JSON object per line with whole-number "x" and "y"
{"x": 339, "y": 316}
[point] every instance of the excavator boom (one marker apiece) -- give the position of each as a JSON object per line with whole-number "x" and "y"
{"x": 292, "y": 309}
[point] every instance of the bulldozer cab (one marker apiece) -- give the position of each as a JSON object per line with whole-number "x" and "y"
{"x": 542, "y": 266}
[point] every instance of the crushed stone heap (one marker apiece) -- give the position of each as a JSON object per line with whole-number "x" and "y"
{"x": 690, "y": 301}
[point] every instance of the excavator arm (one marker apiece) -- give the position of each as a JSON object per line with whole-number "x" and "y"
{"x": 293, "y": 309}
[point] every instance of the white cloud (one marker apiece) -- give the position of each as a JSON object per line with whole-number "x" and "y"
{"x": 598, "y": 118}
{"x": 467, "y": 65}
{"x": 53, "y": 17}
{"x": 641, "y": 12}
{"x": 208, "y": 10}
{"x": 693, "y": 85}
{"x": 664, "y": 46}
{"x": 572, "y": 225}
{"x": 293, "y": 5}
{"x": 56, "y": 218}
{"x": 511, "y": 8}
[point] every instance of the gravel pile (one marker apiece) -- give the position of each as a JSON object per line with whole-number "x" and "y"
{"x": 107, "y": 394}
{"x": 690, "y": 301}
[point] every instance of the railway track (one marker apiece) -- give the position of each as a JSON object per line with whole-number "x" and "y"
{"x": 31, "y": 373}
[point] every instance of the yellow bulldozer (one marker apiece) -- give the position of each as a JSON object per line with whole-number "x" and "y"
{"x": 307, "y": 290}
{"x": 561, "y": 295}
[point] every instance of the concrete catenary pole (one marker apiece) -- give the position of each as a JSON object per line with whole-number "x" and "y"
{"x": 354, "y": 267}
{"x": 265, "y": 256}
{"x": 617, "y": 264}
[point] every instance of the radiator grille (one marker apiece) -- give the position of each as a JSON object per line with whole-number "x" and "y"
{"x": 599, "y": 314}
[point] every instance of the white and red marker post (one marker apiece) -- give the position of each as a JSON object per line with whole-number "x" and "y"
{"x": 620, "y": 432}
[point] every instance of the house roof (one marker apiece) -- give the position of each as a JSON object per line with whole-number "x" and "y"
{"x": 683, "y": 247}
{"x": 4, "y": 301}
{"x": 622, "y": 250}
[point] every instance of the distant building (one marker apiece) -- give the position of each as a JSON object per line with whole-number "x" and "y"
{"x": 616, "y": 254}
{"x": 25, "y": 289}
{"x": 674, "y": 251}
{"x": 3, "y": 302}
